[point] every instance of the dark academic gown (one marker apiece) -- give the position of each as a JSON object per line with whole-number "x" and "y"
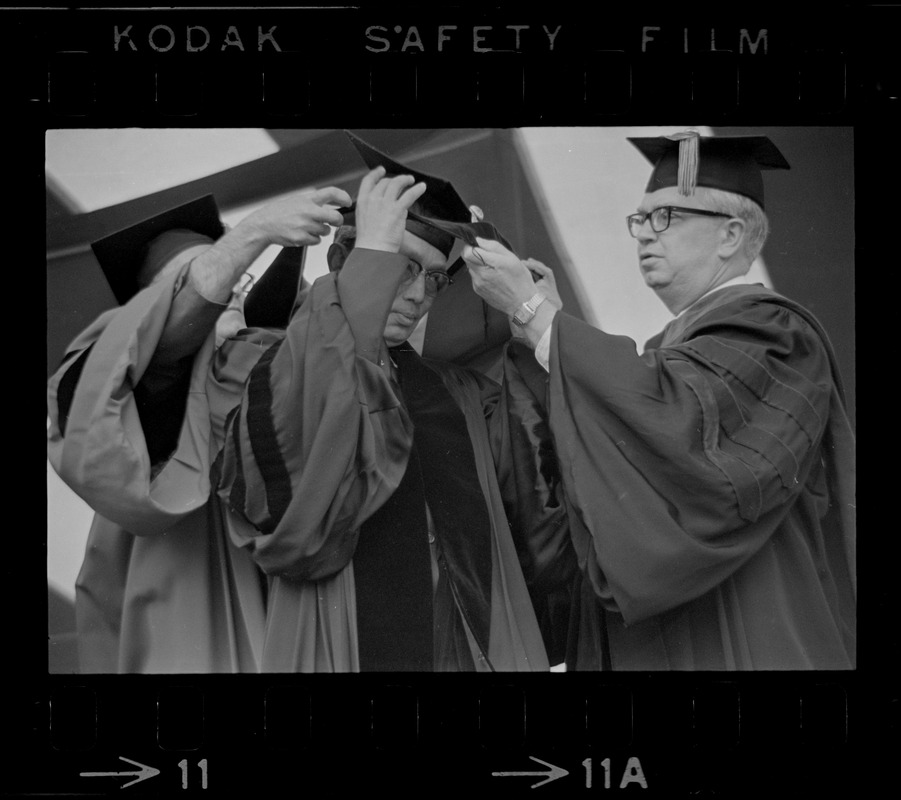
{"x": 710, "y": 490}
{"x": 162, "y": 587}
{"x": 331, "y": 461}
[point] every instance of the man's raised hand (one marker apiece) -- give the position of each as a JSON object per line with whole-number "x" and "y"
{"x": 381, "y": 210}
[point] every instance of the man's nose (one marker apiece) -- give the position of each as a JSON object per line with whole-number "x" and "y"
{"x": 645, "y": 232}
{"x": 415, "y": 290}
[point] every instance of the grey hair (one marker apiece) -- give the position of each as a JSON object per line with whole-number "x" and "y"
{"x": 757, "y": 226}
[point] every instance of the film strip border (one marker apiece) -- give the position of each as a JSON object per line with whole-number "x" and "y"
{"x": 697, "y": 737}
{"x": 700, "y": 736}
{"x": 494, "y": 67}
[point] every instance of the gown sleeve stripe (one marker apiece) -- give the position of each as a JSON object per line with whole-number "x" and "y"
{"x": 769, "y": 448}
{"x": 776, "y": 442}
{"x": 762, "y": 383}
{"x": 748, "y": 493}
{"x": 264, "y": 442}
{"x": 753, "y": 439}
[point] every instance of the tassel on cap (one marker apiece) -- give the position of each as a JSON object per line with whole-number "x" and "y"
{"x": 730, "y": 163}
{"x": 688, "y": 160}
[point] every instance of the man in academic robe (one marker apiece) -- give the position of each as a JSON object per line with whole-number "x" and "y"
{"x": 710, "y": 480}
{"x": 366, "y": 474}
{"x": 134, "y": 428}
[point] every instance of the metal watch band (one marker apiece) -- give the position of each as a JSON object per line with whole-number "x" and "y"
{"x": 527, "y": 310}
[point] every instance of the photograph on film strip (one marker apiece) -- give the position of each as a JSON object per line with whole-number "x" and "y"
{"x": 450, "y": 400}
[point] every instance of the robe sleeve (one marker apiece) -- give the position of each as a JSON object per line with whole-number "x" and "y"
{"x": 166, "y": 381}
{"x": 320, "y": 440}
{"x": 102, "y": 444}
{"x": 98, "y": 441}
{"x": 161, "y": 382}
{"x": 679, "y": 464}
{"x": 63, "y": 383}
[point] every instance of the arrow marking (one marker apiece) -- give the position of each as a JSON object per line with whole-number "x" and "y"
{"x": 143, "y": 773}
{"x": 551, "y": 775}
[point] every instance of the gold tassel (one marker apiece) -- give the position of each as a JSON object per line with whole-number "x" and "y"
{"x": 688, "y": 160}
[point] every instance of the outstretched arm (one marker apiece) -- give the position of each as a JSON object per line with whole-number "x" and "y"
{"x": 680, "y": 463}
{"x": 298, "y": 219}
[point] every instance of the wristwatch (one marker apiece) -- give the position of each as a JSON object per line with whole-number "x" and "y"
{"x": 527, "y": 310}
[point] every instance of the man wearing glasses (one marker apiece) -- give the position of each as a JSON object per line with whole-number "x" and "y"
{"x": 362, "y": 477}
{"x": 710, "y": 480}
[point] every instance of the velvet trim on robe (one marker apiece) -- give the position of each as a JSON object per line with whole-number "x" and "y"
{"x": 529, "y": 478}
{"x": 515, "y": 642}
{"x": 162, "y": 587}
{"x": 331, "y": 450}
{"x": 710, "y": 489}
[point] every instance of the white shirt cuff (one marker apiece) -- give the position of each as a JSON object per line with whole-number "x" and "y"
{"x": 543, "y": 349}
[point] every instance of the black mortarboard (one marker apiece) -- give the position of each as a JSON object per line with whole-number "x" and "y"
{"x": 461, "y": 327}
{"x": 439, "y": 204}
{"x": 730, "y": 163}
{"x": 122, "y": 254}
{"x": 270, "y": 302}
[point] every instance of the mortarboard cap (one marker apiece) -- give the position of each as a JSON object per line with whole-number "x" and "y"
{"x": 122, "y": 254}
{"x": 461, "y": 328}
{"x": 270, "y": 303}
{"x": 730, "y": 163}
{"x": 439, "y": 204}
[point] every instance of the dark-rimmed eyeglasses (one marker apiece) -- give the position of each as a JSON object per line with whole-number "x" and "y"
{"x": 660, "y": 217}
{"x": 436, "y": 280}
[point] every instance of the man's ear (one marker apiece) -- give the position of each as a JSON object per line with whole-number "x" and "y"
{"x": 336, "y": 256}
{"x": 733, "y": 237}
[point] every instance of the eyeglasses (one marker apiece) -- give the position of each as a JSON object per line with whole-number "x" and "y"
{"x": 436, "y": 280}
{"x": 660, "y": 218}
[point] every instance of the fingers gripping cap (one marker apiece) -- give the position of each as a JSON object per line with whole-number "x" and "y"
{"x": 439, "y": 216}
{"x": 461, "y": 325}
